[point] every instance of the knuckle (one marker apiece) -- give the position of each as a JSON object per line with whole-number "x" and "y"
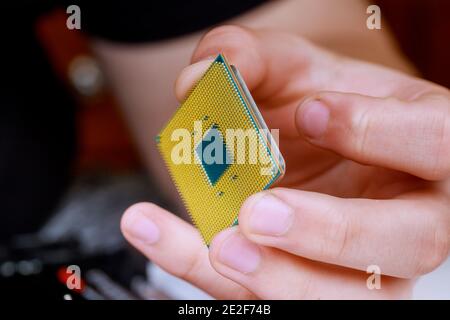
{"x": 434, "y": 249}
{"x": 191, "y": 267}
{"x": 339, "y": 234}
{"x": 305, "y": 287}
{"x": 360, "y": 130}
{"x": 441, "y": 146}
{"x": 434, "y": 126}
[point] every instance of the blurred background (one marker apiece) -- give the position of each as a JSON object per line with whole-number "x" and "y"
{"x": 69, "y": 162}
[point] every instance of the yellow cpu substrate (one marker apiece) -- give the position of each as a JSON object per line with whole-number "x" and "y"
{"x": 218, "y": 149}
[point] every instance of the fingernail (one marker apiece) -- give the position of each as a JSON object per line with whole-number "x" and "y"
{"x": 142, "y": 228}
{"x": 211, "y": 57}
{"x": 270, "y": 216}
{"x": 313, "y": 118}
{"x": 239, "y": 254}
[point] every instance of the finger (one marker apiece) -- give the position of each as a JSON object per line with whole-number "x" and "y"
{"x": 189, "y": 76}
{"x": 410, "y": 136}
{"x": 265, "y": 60}
{"x": 285, "y": 66}
{"x": 176, "y": 247}
{"x": 274, "y": 274}
{"x": 404, "y": 237}
{"x": 239, "y": 45}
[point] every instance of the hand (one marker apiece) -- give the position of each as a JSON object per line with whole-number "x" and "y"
{"x": 367, "y": 183}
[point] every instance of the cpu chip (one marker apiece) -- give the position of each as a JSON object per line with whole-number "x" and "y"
{"x": 218, "y": 149}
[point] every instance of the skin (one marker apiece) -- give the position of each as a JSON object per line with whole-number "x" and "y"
{"x": 142, "y": 76}
{"x": 367, "y": 179}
